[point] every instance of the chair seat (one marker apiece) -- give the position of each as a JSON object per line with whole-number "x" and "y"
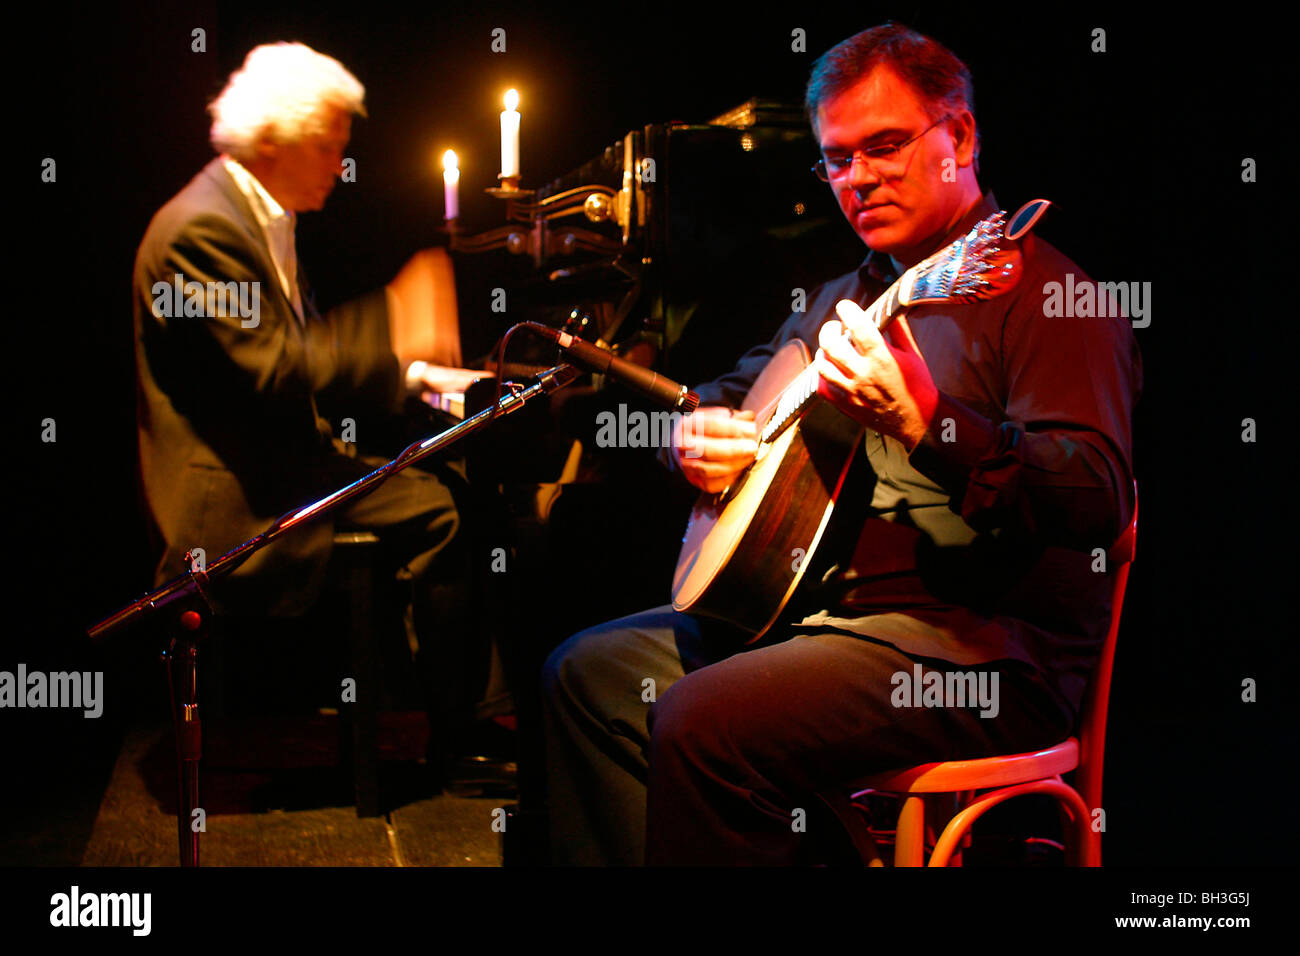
{"x": 954, "y": 794}
{"x": 957, "y": 775}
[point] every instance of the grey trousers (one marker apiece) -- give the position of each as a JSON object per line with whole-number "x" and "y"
{"x": 430, "y": 540}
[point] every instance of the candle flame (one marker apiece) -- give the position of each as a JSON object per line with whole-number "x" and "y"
{"x": 512, "y": 99}
{"x": 449, "y": 160}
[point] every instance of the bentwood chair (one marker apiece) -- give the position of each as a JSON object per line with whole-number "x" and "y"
{"x": 959, "y": 792}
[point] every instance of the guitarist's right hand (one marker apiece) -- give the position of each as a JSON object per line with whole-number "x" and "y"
{"x": 713, "y": 445}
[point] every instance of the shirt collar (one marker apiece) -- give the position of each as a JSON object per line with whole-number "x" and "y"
{"x": 270, "y": 214}
{"x": 884, "y": 268}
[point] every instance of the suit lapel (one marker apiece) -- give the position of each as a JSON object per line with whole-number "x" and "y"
{"x": 308, "y": 295}
{"x": 217, "y": 174}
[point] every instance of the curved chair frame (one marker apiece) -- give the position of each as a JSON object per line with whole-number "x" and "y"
{"x": 1005, "y": 777}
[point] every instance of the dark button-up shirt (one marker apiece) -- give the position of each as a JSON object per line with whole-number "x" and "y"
{"x": 979, "y": 545}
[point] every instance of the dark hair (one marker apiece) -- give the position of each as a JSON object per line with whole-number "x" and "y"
{"x": 942, "y": 81}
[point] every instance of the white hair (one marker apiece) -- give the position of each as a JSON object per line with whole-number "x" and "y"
{"x": 280, "y": 94}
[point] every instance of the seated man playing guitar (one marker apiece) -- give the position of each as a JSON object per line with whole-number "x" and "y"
{"x": 998, "y": 440}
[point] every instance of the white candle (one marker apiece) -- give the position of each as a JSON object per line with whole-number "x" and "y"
{"x": 450, "y": 185}
{"x": 510, "y": 135}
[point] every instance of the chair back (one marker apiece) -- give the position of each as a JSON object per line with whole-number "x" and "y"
{"x": 1092, "y": 732}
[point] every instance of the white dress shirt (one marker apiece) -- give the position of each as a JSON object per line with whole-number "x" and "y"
{"x": 277, "y": 226}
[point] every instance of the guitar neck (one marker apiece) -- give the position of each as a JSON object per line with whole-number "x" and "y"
{"x": 890, "y": 302}
{"x": 796, "y": 396}
{"x": 978, "y": 265}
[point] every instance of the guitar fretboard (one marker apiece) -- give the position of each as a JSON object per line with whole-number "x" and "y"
{"x": 796, "y": 396}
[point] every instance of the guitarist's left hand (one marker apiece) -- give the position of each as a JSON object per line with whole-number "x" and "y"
{"x": 887, "y": 389}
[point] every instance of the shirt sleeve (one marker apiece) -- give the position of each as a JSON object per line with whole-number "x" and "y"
{"x": 359, "y": 353}
{"x": 1058, "y": 464}
{"x": 263, "y": 354}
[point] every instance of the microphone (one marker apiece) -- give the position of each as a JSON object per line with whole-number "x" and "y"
{"x": 594, "y": 359}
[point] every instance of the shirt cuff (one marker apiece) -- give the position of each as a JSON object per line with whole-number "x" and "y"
{"x": 413, "y": 376}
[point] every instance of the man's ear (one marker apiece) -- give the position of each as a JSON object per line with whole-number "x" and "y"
{"x": 266, "y": 147}
{"x": 963, "y": 137}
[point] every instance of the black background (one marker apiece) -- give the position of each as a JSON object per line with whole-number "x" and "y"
{"x": 1140, "y": 147}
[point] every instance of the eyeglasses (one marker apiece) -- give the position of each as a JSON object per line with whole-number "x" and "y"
{"x": 880, "y": 157}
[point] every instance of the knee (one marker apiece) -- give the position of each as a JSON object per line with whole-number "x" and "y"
{"x": 445, "y": 520}
{"x": 444, "y": 532}
{"x": 555, "y": 673}
{"x": 437, "y": 551}
{"x": 572, "y": 672}
{"x": 611, "y": 674}
{"x": 688, "y": 717}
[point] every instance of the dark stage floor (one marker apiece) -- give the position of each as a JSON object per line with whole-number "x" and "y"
{"x": 275, "y": 795}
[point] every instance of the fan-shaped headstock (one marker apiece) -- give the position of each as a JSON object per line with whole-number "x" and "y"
{"x": 980, "y": 265}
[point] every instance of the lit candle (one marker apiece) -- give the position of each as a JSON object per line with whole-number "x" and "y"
{"x": 510, "y": 135}
{"x": 450, "y": 185}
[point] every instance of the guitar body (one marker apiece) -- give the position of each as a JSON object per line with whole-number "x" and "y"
{"x": 745, "y": 549}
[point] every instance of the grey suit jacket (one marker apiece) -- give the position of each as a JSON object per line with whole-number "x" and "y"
{"x": 229, "y": 433}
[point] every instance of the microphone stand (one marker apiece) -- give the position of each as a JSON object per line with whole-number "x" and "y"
{"x": 189, "y": 592}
